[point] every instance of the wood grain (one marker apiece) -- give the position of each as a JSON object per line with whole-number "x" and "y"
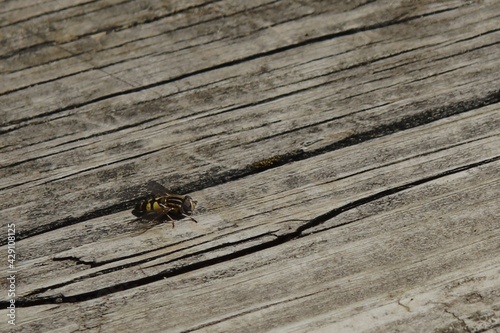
{"x": 345, "y": 157}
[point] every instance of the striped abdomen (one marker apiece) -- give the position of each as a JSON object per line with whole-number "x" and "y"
{"x": 148, "y": 205}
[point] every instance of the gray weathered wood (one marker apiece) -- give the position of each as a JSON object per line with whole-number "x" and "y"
{"x": 345, "y": 157}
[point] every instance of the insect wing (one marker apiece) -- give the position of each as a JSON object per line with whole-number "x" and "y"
{"x": 156, "y": 188}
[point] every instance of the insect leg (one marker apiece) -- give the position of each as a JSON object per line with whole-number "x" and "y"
{"x": 189, "y": 217}
{"x": 171, "y": 220}
{"x": 165, "y": 211}
{"x": 156, "y": 218}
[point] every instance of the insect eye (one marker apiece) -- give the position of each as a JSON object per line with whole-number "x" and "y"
{"x": 188, "y": 205}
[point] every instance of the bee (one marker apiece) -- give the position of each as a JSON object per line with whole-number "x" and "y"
{"x": 161, "y": 205}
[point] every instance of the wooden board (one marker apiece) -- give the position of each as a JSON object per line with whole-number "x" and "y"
{"x": 344, "y": 155}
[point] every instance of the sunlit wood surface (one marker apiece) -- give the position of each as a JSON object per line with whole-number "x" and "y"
{"x": 345, "y": 156}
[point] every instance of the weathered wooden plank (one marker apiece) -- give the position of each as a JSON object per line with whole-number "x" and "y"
{"x": 345, "y": 157}
{"x": 139, "y": 72}
{"x": 388, "y": 257}
{"x": 89, "y": 145}
{"x": 484, "y": 123}
{"x": 337, "y": 188}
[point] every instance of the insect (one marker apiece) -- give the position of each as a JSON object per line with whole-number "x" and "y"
{"x": 161, "y": 205}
